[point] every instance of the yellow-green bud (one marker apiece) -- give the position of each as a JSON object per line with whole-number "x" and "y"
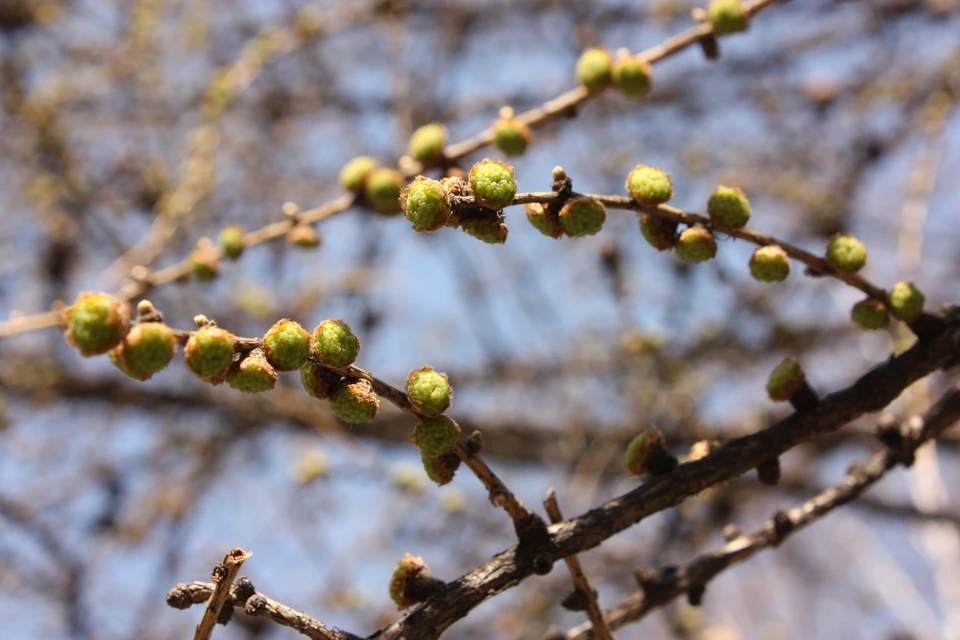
{"x": 436, "y": 436}
{"x": 286, "y": 345}
{"x": 846, "y": 253}
{"x": 303, "y": 235}
{"x": 442, "y": 468}
{"x": 696, "y": 244}
{"x": 204, "y": 264}
{"x": 511, "y": 136}
{"x": 493, "y": 184}
{"x": 489, "y": 231}
{"x": 253, "y": 374}
{"x": 354, "y": 174}
{"x": 870, "y": 315}
{"x": 544, "y": 219}
{"x": 335, "y": 343}
{"x": 582, "y": 217}
{"x": 146, "y": 349}
{"x": 355, "y": 402}
{"x": 649, "y": 185}
{"x": 429, "y": 391}
{"x": 412, "y": 582}
{"x": 729, "y": 207}
{"x": 595, "y": 68}
{"x": 785, "y": 380}
{"x": 641, "y": 449}
{"x": 95, "y": 323}
{"x": 318, "y": 381}
{"x": 660, "y": 233}
{"x": 906, "y": 301}
{"x": 727, "y": 16}
{"x": 209, "y": 353}
{"x": 383, "y": 190}
{"x": 632, "y": 76}
{"x": 232, "y": 241}
{"x": 426, "y": 204}
{"x": 770, "y": 264}
{"x": 427, "y": 142}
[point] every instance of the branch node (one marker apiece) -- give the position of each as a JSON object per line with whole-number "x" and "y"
{"x": 695, "y": 595}
{"x": 782, "y": 526}
{"x": 805, "y": 399}
{"x": 768, "y": 472}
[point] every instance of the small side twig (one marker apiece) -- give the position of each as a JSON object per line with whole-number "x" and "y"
{"x": 224, "y": 574}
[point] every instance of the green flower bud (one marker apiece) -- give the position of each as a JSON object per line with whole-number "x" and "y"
{"x": 511, "y": 136}
{"x": 318, "y": 381}
{"x": 425, "y": 203}
{"x": 355, "y": 402}
{"x": 660, "y": 233}
{"x": 146, "y": 349}
{"x": 427, "y": 142}
{"x": 383, "y": 190}
{"x": 303, "y": 235}
{"x": 232, "y": 241}
{"x": 696, "y": 244}
{"x": 253, "y": 374}
{"x": 436, "y": 436}
{"x": 354, "y": 174}
{"x": 412, "y": 582}
{"x": 642, "y": 449}
{"x": 906, "y": 301}
{"x": 595, "y": 68}
{"x": 493, "y": 184}
{"x": 335, "y": 343}
{"x": 442, "y": 468}
{"x": 204, "y": 264}
{"x": 544, "y": 219}
{"x": 489, "y": 231}
{"x": 649, "y": 185}
{"x": 846, "y": 253}
{"x": 286, "y": 345}
{"x": 785, "y": 380}
{"x": 727, "y": 16}
{"x": 770, "y": 264}
{"x": 209, "y": 353}
{"x": 95, "y": 323}
{"x": 582, "y": 217}
{"x": 870, "y": 315}
{"x": 728, "y": 207}
{"x": 429, "y": 391}
{"x": 632, "y": 76}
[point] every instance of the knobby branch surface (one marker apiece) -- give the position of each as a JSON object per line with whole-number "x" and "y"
{"x": 860, "y": 478}
{"x": 224, "y": 574}
{"x": 143, "y": 279}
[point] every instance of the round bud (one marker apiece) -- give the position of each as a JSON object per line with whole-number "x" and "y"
{"x": 318, "y": 381}
{"x": 405, "y": 582}
{"x": 544, "y": 219}
{"x": 95, "y": 323}
{"x": 728, "y": 207}
{"x": 785, "y": 380}
{"x": 425, "y": 203}
{"x": 493, "y": 184}
{"x": 426, "y": 143}
{"x": 335, "y": 343}
{"x": 649, "y": 185}
{"x": 146, "y": 349}
{"x": 770, "y": 264}
{"x": 204, "y": 264}
{"x": 354, "y": 174}
{"x": 870, "y": 315}
{"x": 489, "y": 231}
{"x": 594, "y": 68}
{"x": 209, "y": 353}
{"x": 906, "y": 301}
{"x": 727, "y": 16}
{"x": 511, "y": 136}
{"x": 632, "y": 76}
{"x": 436, "y": 436}
{"x": 696, "y": 244}
{"x": 846, "y": 253}
{"x": 429, "y": 391}
{"x": 661, "y": 234}
{"x": 355, "y": 402}
{"x": 582, "y": 217}
{"x": 286, "y": 345}
{"x": 383, "y": 190}
{"x": 442, "y": 468}
{"x": 232, "y": 241}
{"x": 641, "y": 449}
{"x": 252, "y": 374}
{"x": 303, "y": 235}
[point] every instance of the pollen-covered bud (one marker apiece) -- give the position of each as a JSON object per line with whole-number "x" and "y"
{"x": 770, "y": 264}
{"x": 647, "y": 454}
{"x": 729, "y": 207}
{"x": 582, "y": 217}
{"x": 661, "y": 234}
{"x": 146, "y": 349}
{"x": 442, "y": 468}
{"x": 511, "y": 136}
{"x": 696, "y": 244}
{"x": 846, "y": 253}
{"x": 286, "y": 345}
{"x": 209, "y": 353}
{"x": 649, "y": 185}
{"x": 412, "y": 582}
{"x": 489, "y": 231}
{"x": 595, "y": 68}
{"x": 426, "y": 204}
{"x": 544, "y": 219}
{"x": 493, "y": 184}
{"x": 252, "y": 374}
{"x": 870, "y": 315}
{"x": 335, "y": 343}
{"x": 632, "y": 75}
{"x": 354, "y": 174}
{"x": 383, "y": 190}
{"x": 785, "y": 380}
{"x": 303, "y": 235}
{"x": 906, "y": 301}
{"x": 427, "y": 142}
{"x": 232, "y": 241}
{"x": 204, "y": 264}
{"x": 355, "y": 402}
{"x": 429, "y": 391}
{"x": 727, "y": 16}
{"x": 436, "y": 436}
{"x": 318, "y": 381}
{"x": 95, "y": 323}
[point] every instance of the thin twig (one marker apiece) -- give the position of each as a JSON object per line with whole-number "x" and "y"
{"x": 223, "y": 576}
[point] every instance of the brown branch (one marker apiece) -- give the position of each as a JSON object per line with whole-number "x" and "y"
{"x": 224, "y": 574}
